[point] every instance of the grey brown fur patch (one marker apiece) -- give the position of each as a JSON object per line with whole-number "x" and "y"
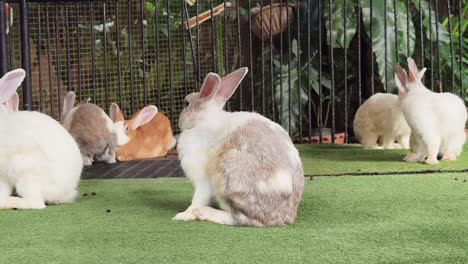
{"x": 250, "y": 158}
{"x": 91, "y": 133}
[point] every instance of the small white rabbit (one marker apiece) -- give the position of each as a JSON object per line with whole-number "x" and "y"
{"x": 246, "y": 161}
{"x": 437, "y": 120}
{"x": 38, "y": 157}
{"x": 381, "y": 117}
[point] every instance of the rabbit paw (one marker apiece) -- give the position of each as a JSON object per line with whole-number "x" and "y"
{"x": 432, "y": 161}
{"x": 412, "y": 157}
{"x": 450, "y": 157}
{"x": 87, "y": 161}
{"x": 124, "y": 158}
{"x": 184, "y": 216}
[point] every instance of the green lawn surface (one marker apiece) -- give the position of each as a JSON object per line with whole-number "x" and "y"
{"x": 353, "y": 219}
{"x": 352, "y": 159}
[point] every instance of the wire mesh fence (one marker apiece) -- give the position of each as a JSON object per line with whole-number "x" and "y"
{"x": 312, "y": 63}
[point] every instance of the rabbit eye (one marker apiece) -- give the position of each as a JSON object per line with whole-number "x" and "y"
{"x": 126, "y": 129}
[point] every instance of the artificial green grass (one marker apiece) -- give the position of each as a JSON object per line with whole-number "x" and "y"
{"x": 365, "y": 219}
{"x": 352, "y": 159}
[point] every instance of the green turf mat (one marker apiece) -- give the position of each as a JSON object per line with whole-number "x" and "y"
{"x": 371, "y": 219}
{"x": 352, "y": 159}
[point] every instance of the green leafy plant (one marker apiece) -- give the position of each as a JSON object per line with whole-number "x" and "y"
{"x": 301, "y": 78}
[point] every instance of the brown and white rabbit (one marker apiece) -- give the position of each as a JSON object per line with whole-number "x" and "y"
{"x": 148, "y": 134}
{"x": 244, "y": 160}
{"x": 380, "y": 116}
{"x": 92, "y": 129}
{"x": 437, "y": 120}
{"x": 38, "y": 157}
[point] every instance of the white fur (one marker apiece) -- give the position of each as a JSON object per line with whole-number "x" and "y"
{"x": 437, "y": 121}
{"x": 381, "y": 117}
{"x": 122, "y": 137}
{"x": 39, "y": 159}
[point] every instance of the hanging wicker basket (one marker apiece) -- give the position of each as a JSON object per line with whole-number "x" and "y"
{"x": 280, "y": 15}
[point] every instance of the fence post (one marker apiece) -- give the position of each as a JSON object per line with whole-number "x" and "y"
{"x": 3, "y": 49}
{"x": 25, "y": 55}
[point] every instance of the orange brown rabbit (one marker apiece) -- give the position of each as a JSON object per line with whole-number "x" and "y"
{"x": 148, "y": 134}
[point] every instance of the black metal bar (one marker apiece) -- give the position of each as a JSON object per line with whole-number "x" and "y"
{"x": 386, "y": 48}
{"x": 57, "y": 59}
{"x": 106, "y": 71}
{"x": 184, "y": 52}
{"x": 158, "y": 67}
{"x": 169, "y": 47}
{"x": 359, "y": 65}
{"x": 289, "y": 69}
{"x": 319, "y": 110}
{"x": 49, "y": 64}
{"x": 421, "y": 33}
{"x": 438, "y": 40}
{"x": 25, "y": 54}
{"x": 39, "y": 57}
{"x": 281, "y": 63}
{"x": 199, "y": 78}
{"x": 78, "y": 48}
{"x": 407, "y": 28}
{"x": 3, "y": 44}
{"x": 371, "y": 33}
{"x": 263, "y": 60}
{"x": 143, "y": 51}
{"x": 431, "y": 51}
{"x": 225, "y": 44}
{"x": 395, "y": 15}
{"x": 272, "y": 82}
{"x": 93, "y": 52}
{"x": 239, "y": 50}
{"x": 187, "y": 18}
{"x": 309, "y": 64}
{"x": 9, "y": 47}
{"x": 119, "y": 63}
{"x": 345, "y": 28}
{"x": 299, "y": 69}
{"x": 460, "y": 47}
{"x": 251, "y": 70}
{"x": 213, "y": 38}
{"x": 67, "y": 32}
{"x": 130, "y": 54}
{"x": 452, "y": 57}
{"x": 332, "y": 72}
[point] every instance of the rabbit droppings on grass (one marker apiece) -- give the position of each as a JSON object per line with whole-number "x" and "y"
{"x": 148, "y": 134}
{"x": 246, "y": 161}
{"x": 38, "y": 157}
{"x": 437, "y": 120}
{"x": 381, "y": 117}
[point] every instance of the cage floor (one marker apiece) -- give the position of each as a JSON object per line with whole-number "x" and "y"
{"x": 168, "y": 166}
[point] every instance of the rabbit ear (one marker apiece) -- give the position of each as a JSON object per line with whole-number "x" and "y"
{"x": 13, "y": 103}
{"x": 413, "y": 72}
{"x": 210, "y": 86}
{"x": 10, "y": 82}
{"x": 230, "y": 82}
{"x": 421, "y": 73}
{"x": 68, "y": 102}
{"x": 401, "y": 79}
{"x": 144, "y": 116}
{"x": 115, "y": 113}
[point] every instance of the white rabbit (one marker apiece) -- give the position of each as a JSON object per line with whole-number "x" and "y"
{"x": 244, "y": 160}
{"x": 381, "y": 116}
{"x": 38, "y": 157}
{"x": 437, "y": 120}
